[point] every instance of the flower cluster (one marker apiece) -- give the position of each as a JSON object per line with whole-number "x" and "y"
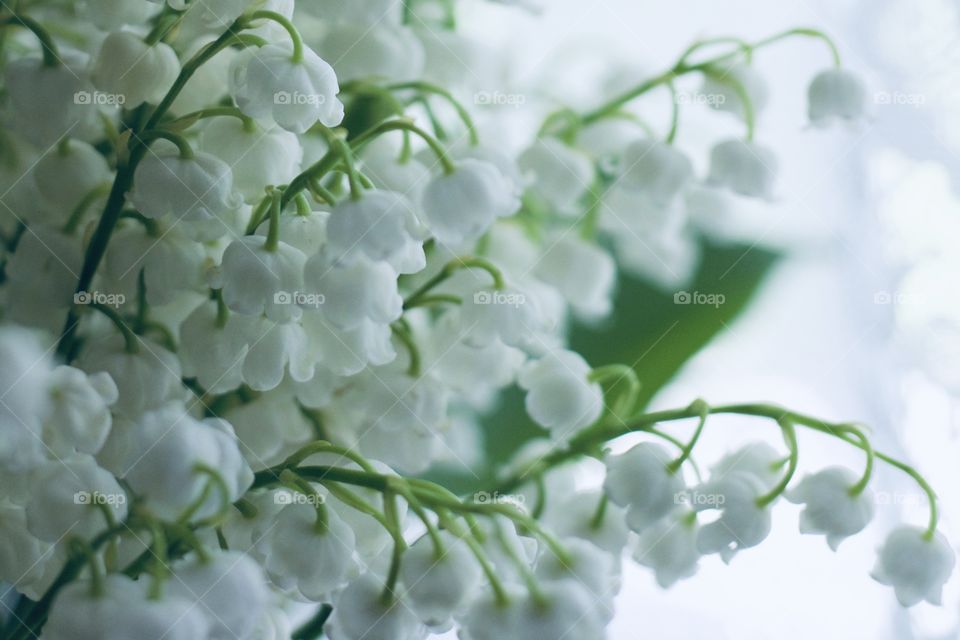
{"x": 261, "y": 269}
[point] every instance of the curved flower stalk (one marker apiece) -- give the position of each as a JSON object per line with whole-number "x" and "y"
{"x": 281, "y": 297}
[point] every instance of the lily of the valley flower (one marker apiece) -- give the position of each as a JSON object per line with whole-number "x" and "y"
{"x": 915, "y": 565}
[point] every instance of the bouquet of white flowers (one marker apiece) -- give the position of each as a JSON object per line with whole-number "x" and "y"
{"x": 261, "y": 271}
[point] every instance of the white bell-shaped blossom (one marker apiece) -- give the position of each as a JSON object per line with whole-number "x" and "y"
{"x": 23, "y": 380}
{"x": 172, "y": 262}
{"x": 381, "y": 226}
{"x": 127, "y": 66}
{"x": 474, "y": 372}
{"x": 345, "y": 352}
{"x": 585, "y": 565}
{"x": 746, "y": 168}
{"x": 78, "y": 410}
{"x": 655, "y": 168}
{"x": 49, "y": 102}
{"x": 558, "y": 175}
{"x": 69, "y": 497}
{"x": 560, "y": 397}
{"x": 268, "y": 83}
{"x": 230, "y": 590}
{"x": 257, "y": 157}
{"x": 161, "y": 455}
{"x": 145, "y": 380}
{"x": 360, "y": 613}
{"x": 367, "y": 12}
{"x": 109, "y": 15}
{"x": 437, "y": 585}
{"x": 669, "y": 547}
{"x": 394, "y": 417}
{"x": 836, "y": 94}
{"x": 383, "y": 162}
{"x": 257, "y": 280}
{"x": 510, "y": 315}
{"x": 276, "y": 348}
{"x": 299, "y": 557}
{"x": 575, "y": 517}
{"x": 914, "y": 565}
{"x": 190, "y": 189}
{"x": 269, "y": 428}
{"x": 582, "y": 272}
{"x": 742, "y": 523}
{"x": 830, "y": 507}
{"x": 460, "y": 206}
{"x": 568, "y": 610}
{"x": 759, "y": 459}
{"x": 209, "y": 84}
{"x": 22, "y": 555}
{"x": 308, "y": 233}
{"x": 213, "y": 354}
{"x": 353, "y": 292}
{"x": 722, "y": 88}
{"x": 42, "y": 275}
{"x": 123, "y": 611}
{"x": 360, "y": 51}
{"x": 642, "y": 481}
{"x": 67, "y": 174}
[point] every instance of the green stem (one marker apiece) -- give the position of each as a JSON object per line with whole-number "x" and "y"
{"x": 588, "y": 439}
{"x": 51, "y": 57}
{"x": 682, "y": 68}
{"x": 404, "y": 335}
{"x": 294, "y": 481}
{"x": 674, "y": 113}
{"x": 749, "y": 117}
{"x": 339, "y": 145}
{"x": 193, "y": 117}
{"x": 186, "y": 151}
{"x": 427, "y": 87}
{"x": 704, "y": 410}
{"x": 392, "y": 513}
{"x": 496, "y": 585}
{"x": 468, "y": 262}
{"x": 313, "y": 628}
{"x": 790, "y": 437}
{"x": 130, "y": 340}
{"x": 273, "y": 231}
{"x": 625, "y": 402}
{"x": 860, "y": 486}
{"x": 322, "y": 446}
{"x": 406, "y": 125}
{"x": 76, "y": 215}
{"x": 288, "y": 26}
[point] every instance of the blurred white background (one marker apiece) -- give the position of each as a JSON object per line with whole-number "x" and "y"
{"x": 861, "y": 322}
